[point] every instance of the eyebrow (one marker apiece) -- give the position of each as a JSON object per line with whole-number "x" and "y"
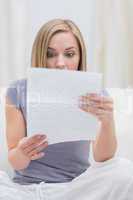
{"x": 50, "y": 48}
{"x": 71, "y": 48}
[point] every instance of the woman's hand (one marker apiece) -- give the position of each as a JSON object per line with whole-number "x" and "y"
{"x": 98, "y": 105}
{"x": 32, "y": 147}
{"x": 105, "y": 144}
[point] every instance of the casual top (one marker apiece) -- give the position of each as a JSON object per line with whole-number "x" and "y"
{"x": 62, "y": 162}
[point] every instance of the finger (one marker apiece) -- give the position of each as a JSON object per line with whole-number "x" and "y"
{"x": 93, "y": 110}
{"x": 29, "y": 140}
{"x": 108, "y": 107}
{"x": 100, "y": 112}
{"x": 96, "y": 97}
{"x": 90, "y": 102}
{"x": 84, "y": 101}
{"x": 38, "y": 149}
{"x": 42, "y": 146}
{"x": 37, "y": 156}
{"x": 33, "y": 140}
{"x": 96, "y": 106}
{"x": 34, "y": 145}
{"x": 88, "y": 111}
{"x": 100, "y": 98}
{"x": 36, "y": 138}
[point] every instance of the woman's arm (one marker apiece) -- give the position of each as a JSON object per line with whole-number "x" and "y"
{"x": 105, "y": 145}
{"x": 21, "y": 149}
{"x": 15, "y": 131}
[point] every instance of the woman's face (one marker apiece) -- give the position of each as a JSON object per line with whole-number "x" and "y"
{"x": 63, "y": 52}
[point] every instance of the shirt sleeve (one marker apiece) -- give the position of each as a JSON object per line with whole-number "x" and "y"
{"x": 105, "y": 92}
{"x": 12, "y": 93}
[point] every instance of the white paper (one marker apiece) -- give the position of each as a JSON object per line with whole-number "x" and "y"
{"x": 52, "y": 104}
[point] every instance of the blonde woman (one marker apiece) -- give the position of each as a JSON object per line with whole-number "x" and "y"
{"x": 62, "y": 170}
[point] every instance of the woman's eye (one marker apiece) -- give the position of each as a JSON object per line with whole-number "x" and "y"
{"x": 70, "y": 54}
{"x": 50, "y": 54}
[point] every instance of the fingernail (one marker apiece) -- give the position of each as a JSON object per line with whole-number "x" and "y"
{"x": 80, "y": 98}
{"x": 39, "y": 136}
{"x": 93, "y": 94}
{"x": 43, "y": 136}
{"x": 42, "y": 153}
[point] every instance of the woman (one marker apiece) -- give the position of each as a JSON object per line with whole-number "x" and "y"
{"x": 45, "y": 171}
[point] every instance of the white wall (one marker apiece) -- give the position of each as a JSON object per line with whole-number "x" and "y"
{"x": 21, "y": 19}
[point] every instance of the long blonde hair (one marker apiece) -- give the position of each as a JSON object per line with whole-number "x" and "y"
{"x": 40, "y": 45}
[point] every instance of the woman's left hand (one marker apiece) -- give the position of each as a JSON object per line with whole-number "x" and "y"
{"x": 98, "y": 105}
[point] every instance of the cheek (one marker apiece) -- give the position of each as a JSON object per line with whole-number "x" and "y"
{"x": 73, "y": 63}
{"x": 50, "y": 62}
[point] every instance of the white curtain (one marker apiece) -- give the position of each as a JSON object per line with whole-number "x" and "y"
{"x": 113, "y": 52}
{"x": 14, "y": 39}
{"x": 113, "y": 41}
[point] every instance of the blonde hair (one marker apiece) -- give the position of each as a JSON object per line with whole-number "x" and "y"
{"x": 40, "y": 45}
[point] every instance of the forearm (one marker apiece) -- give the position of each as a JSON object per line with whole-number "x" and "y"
{"x": 105, "y": 145}
{"x": 17, "y": 160}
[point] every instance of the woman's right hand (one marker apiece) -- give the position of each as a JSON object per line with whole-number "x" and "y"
{"x": 32, "y": 147}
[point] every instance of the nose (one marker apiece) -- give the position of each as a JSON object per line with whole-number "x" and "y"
{"x": 60, "y": 62}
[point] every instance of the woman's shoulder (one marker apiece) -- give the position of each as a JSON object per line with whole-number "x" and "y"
{"x": 17, "y": 86}
{"x": 104, "y": 92}
{"x": 16, "y": 91}
{"x": 18, "y": 83}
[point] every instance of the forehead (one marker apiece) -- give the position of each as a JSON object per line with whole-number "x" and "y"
{"x": 63, "y": 40}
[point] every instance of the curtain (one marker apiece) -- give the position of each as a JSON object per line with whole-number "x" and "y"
{"x": 114, "y": 42}
{"x": 112, "y": 45}
{"x": 14, "y": 39}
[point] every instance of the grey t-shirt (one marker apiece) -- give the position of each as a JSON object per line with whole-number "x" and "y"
{"x": 62, "y": 161}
